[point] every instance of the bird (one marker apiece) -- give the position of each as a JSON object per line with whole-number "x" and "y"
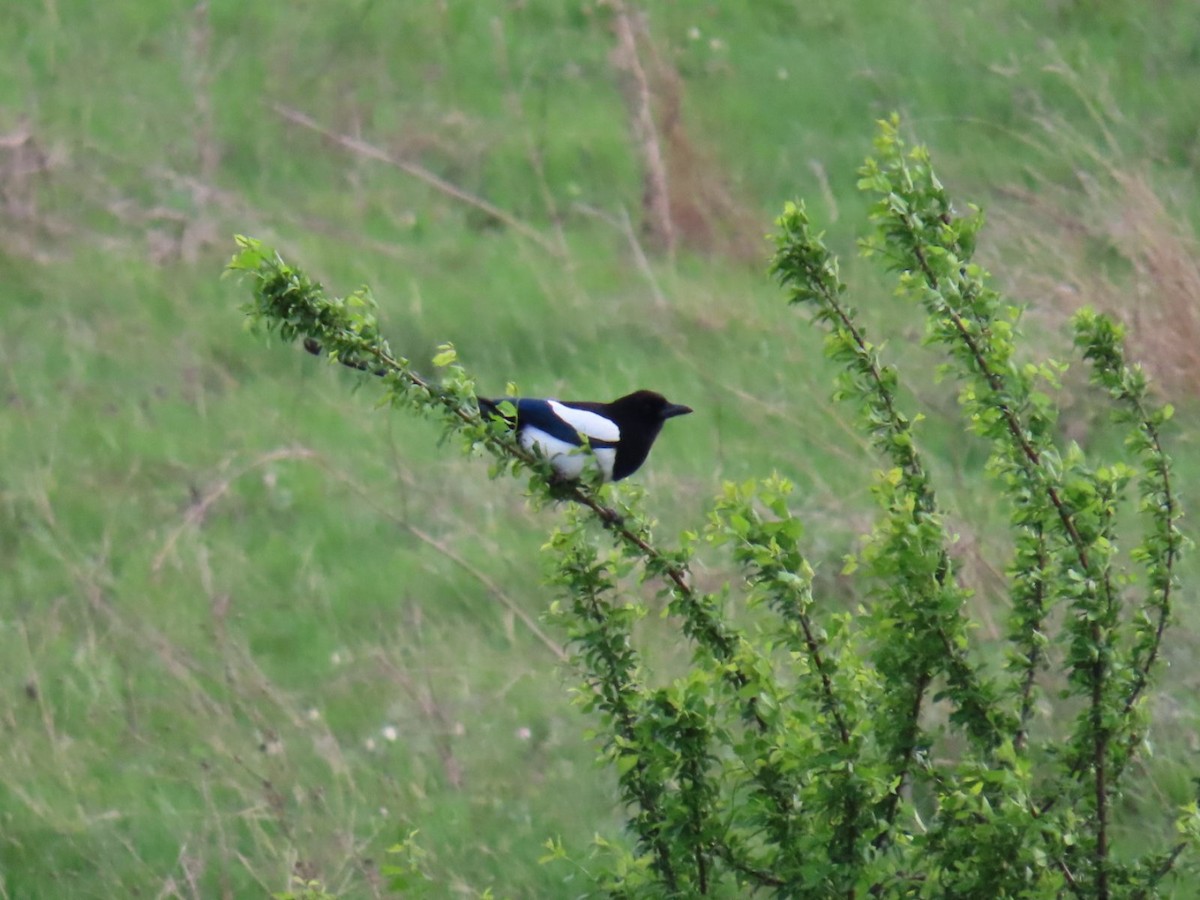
{"x": 620, "y": 434}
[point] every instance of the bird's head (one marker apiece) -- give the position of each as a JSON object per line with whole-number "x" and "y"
{"x": 647, "y": 407}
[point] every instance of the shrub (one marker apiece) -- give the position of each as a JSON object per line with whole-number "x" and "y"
{"x": 798, "y": 758}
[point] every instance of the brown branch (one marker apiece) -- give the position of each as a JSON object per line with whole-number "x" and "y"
{"x": 891, "y": 804}
{"x": 759, "y": 876}
{"x": 1034, "y": 659}
{"x": 1164, "y": 608}
{"x": 1162, "y": 871}
{"x": 831, "y": 701}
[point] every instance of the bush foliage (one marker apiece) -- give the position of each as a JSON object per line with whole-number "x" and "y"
{"x": 881, "y": 750}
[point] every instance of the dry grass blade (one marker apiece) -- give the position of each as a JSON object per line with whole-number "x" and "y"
{"x": 370, "y": 151}
{"x": 198, "y": 509}
{"x": 635, "y": 87}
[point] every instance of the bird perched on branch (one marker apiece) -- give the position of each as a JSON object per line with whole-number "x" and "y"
{"x": 619, "y": 433}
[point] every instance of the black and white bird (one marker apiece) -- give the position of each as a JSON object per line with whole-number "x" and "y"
{"x": 620, "y": 434}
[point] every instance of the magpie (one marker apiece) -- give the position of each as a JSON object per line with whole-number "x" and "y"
{"x": 619, "y": 433}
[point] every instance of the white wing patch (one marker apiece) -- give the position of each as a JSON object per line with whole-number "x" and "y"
{"x": 569, "y": 460}
{"x": 587, "y": 423}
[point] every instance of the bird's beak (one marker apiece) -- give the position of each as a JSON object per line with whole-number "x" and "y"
{"x": 675, "y": 409}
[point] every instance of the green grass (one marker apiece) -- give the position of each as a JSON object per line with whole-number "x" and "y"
{"x": 214, "y": 600}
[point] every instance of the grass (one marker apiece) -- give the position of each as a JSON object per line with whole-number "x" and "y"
{"x": 229, "y": 581}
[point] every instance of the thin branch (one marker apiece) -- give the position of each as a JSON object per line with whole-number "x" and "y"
{"x": 1034, "y": 658}
{"x": 832, "y": 705}
{"x": 891, "y": 803}
{"x": 1162, "y": 871}
{"x": 760, "y": 877}
{"x": 1171, "y": 517}
{"x": 625, "y": 226}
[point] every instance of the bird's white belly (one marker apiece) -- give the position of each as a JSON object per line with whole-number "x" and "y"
{"x": 568, "y": 460}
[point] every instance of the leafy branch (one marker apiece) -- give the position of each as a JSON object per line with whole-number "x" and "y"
{"x": 921, "y": 596}
{"x": 286, "y": 302}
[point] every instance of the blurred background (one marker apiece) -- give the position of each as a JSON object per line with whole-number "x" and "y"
{"x": 254, "y": 628}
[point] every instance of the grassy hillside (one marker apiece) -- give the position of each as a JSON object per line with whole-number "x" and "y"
{"x": 255, "y": 628}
